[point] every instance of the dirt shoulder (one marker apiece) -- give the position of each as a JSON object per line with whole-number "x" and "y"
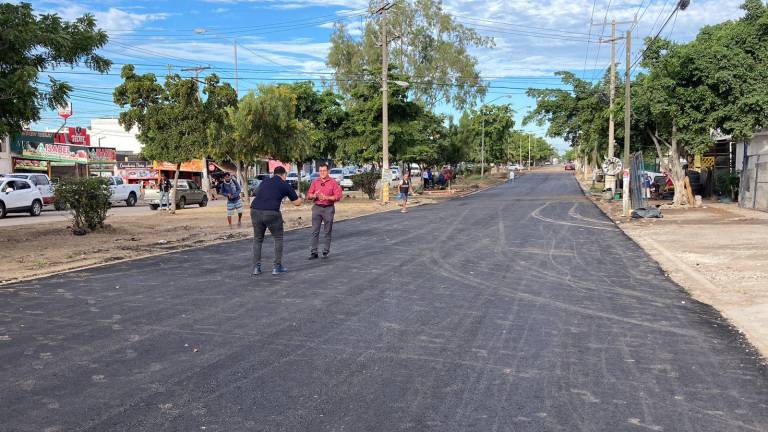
{"x": 717, "y": 253}
{"x": 50, "y": 248}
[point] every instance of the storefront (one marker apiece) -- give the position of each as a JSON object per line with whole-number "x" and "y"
{"x": 102, "y": 161}
{"x": 138, "y": 172}
{"x": 33, "y": 151}
{"x": 191, "y": 170}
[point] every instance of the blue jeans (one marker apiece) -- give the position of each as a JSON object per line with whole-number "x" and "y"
{"x": 165, "y": 199}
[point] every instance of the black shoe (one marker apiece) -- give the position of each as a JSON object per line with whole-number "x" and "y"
{"x": 312, "y": 256}
{"x": 325, "y": 255}
{"x": 257, "y": 270}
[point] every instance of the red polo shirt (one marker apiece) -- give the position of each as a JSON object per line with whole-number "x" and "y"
{"x": 327, "y": 187}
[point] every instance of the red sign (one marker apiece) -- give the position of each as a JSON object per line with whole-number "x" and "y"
{"x": 65, "y": 112}
{"x": 74, "y": 135}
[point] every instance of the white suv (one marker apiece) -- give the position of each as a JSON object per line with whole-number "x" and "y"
{"x": 19, "y": 196}
{"x": 41, "y": 182}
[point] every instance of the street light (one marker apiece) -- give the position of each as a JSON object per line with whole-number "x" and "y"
{"x": 482, "y": 138}
{"x": 202, "y": 31}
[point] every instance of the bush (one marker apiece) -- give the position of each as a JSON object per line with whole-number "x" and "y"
{"x": 86, "y": 198}
{"x": 366, "y": 182}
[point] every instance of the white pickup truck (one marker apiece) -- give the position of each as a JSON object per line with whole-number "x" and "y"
{"x": 121, "y": 191}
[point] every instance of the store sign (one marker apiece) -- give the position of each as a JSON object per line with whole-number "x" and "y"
{"x": 50, "y": 152}
{"x": 65, "y": 111}
{"x": 34, "y": 137}
{"x": 138, "y": 174}
{"x": 195, "y": 165}
{"x": 30, "y": 165}
{"x": 102, "y": 155}
{"x": 78, "y": 136}
{"x": 134, "y": 165}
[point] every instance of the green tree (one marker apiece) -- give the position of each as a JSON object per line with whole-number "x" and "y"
{"x": 431, "y": 52}
{"x": 578, "y": 114}
{"x": 495, "y": 122}
{"x": 175, "y": 124}
{"x": 264, "y": 124}
{"x": 30, "y": 44}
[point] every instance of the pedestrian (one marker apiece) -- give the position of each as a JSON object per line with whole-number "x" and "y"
{"x": 213, "y": 189}
{"x": 647, "y": 185}
{"x": 425, "y": 179}
{"x": 165, "y": 191}
{"x": 325, "y": 192}
{"x": 405, "y": 188}
{"x": 430, "y": 178}
{"x": 512, "y": 175}
{"x": 231, "y": 190}
{"x": 265, "y": 214}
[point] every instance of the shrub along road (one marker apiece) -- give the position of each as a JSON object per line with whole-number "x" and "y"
{"x": 517, "y": 308}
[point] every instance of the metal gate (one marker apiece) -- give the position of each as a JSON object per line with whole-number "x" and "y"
{"x": 753, "y": 188}
{"x": 637, "y": 174}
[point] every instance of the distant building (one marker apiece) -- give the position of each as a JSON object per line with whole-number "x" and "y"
{"x": 107, "y": 132}
{"x": 752, "y": 159}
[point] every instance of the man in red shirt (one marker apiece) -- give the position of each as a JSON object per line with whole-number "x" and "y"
{"x": 325, "y": 192}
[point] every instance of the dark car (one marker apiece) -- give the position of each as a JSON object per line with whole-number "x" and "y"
{"x": 188, "y": 193}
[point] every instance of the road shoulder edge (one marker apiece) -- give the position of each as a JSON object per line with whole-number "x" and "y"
{"x": 694, "y": 284}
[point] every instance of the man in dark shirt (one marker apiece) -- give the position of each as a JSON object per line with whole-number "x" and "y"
{"x": 265, "y": 214}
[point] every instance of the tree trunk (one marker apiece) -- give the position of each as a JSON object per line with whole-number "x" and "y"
{"x": 298, "y": 178}
{"x": 242, "y": 177}
{"x": 175, "y": 187}
{"x": 676, "y": 170}
{"x": 673, "y": 166}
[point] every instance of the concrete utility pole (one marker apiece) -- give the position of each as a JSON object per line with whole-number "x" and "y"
{"x": 529, "y": 152}
{"x": 610, "y": 181}
{"x": 385, "y": 168}
{"x": 627, "y": 120}
{"x": 234, "y": 45}
{"x": 482, "y": 148}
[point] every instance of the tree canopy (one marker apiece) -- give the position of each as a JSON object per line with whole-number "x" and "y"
{"x": 31, "y": 44}
{"x": 430, "y": 50}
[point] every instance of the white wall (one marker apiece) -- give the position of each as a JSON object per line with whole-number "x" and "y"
{"x": 113, "y": 135}
{"x": 5, "y": 155}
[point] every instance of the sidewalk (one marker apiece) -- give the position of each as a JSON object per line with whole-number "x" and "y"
{"x": 718, "y": 253}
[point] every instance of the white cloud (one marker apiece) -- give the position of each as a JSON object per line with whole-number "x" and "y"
{"x": 112, "y": 19}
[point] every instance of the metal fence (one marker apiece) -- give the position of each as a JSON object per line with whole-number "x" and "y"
{"x": 636, "y": 187}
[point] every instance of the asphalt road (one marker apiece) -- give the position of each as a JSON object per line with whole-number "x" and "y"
{"x": 520, "y": 308}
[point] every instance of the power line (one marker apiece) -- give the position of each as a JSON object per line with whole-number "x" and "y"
{"x": 681, "y": 4}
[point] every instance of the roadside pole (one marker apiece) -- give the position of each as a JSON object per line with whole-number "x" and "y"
{"x": 627, "y": 123}
{"x": 385, "y": 169}
{"x": 482, "y": 148}
{"x": 529, "y": 152}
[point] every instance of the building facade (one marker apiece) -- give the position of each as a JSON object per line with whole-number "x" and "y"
{"x": 5, "y": 155}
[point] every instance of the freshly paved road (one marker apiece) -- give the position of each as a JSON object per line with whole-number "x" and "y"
{"x": 520, "y": 308}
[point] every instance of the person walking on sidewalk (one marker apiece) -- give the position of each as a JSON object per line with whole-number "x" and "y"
{"x": 325, "y": 192}
{"x": 265, "y": 214}
{"x": 231, "y": 190}
{"x": 405, "y": 189}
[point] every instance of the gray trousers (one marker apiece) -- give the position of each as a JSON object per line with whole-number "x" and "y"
{"x": 263, "y": 220}
{"x": 324, "y": 216}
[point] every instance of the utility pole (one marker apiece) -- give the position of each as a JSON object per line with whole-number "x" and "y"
{"x": 482, "y": 147}
{"x": 385, "y": 169}
{"x": 234, "y": 45}
{"x": 610, "y": 181}
{"x": 196, "y": 70}
{"x": 529, "y": 152}
{"x": 627, "y": 121}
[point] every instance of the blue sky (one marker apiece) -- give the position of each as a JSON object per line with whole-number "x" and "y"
{"x": 288, "y": 40}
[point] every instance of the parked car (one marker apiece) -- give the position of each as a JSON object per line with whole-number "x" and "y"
{"x": 346, "y": 183}
{"x": 187, "y": 193}
{"x": 19, "y": 196}
{"x": 415, "y": 170}
{"x": 293, "y": 179}
{"x": 123, "y": 192}
{"x": 253, "y": 185}
{"x": 396, "y": 173}
{"x": 337, "y": 174}
{"x": 41, "y": 182}
{"x": 314, "y": 176}
{"x": 569, "y": 166}
{"x": 514, "y": 167}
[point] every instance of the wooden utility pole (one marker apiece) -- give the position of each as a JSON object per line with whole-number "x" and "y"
{"x": 611, "y": 125}
{"x": 234, "y": 45}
